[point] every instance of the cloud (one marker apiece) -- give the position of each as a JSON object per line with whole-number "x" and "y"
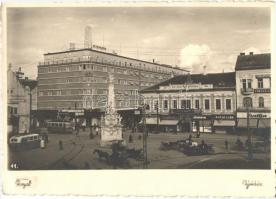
{"x": 195, "y": 56}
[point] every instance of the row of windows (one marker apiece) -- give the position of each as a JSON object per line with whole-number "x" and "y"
{"x": 12, "y": 110}
{"x": 262, "y": 83}
{"x": 85, "y": 91}
{"x": 139, "y": 65}
{"x": 102, "y": 80}
{"x": 248, "y": 102}
{"x": 186, "y": 104}
{"x": 90, "y": 67}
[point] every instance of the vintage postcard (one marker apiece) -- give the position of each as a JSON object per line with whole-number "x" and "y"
{"x": 125, "y": 99}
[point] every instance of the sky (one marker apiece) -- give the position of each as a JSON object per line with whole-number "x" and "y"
{"x": 188, "y": 37}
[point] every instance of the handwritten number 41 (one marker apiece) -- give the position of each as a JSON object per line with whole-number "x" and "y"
{"x": 14, "y": 166}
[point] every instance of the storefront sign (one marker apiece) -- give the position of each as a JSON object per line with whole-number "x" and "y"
{"x": 88, "y": 74}
{"x": 199, "y": 117}
{"x": 262, "y": 90}
{"x": 185, "y": 111}
{"x": 224, "y": 117}
{"x": 253, "y": 115}
{"x": 186, "y": 87}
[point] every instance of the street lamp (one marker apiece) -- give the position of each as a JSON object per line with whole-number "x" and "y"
{"x": 145, "y": 136}
{"x": 248, "y": 104}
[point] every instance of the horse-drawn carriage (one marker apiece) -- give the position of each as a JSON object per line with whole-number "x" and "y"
{"x": 120, "y": 155}
{"x": 188, "y": 147}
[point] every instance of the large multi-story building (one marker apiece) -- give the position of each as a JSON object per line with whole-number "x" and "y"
{"x": 76, "y": 79}
{"x": 196, "y": 102}
{"x": 21, "y": 101}
{"x": 253, "y": 88}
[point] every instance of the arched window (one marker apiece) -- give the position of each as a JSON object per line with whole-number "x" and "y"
{"x": 261, "y": 102}
{"x": 247, "y": 102}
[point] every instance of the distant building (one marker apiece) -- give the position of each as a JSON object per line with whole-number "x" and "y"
{"x": 192, "y": 103}
{"x": 253, "y": 87}
{"x": 76, "y": 80}
{"x": 21, "y": 96}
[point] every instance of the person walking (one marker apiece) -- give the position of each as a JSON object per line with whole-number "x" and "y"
{"x": 226, "y": 144}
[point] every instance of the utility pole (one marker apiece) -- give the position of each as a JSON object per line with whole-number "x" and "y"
{"x": 250, "y": 154}
{"x": 145, "y": 136}
{"x": 157, "y": 116}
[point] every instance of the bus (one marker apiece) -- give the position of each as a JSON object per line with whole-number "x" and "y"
{"x": 25, "y": 141}
{"x": 60, "y": 127}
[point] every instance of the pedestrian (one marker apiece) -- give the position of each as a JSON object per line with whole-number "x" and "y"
{"x": 77, "y": 130}
{"x": 139, "y": 137}
{"x": 130, "y": 139}
{"x": 226, "y": 144}
{"x": 91, "y": 136}
{"x": 86, "y": 165}
{"x": 190, "y": 137}
{"x": 97, "y": 131}
{"x": 60, "y": 145}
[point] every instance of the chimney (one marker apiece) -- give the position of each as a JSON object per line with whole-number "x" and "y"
{"x": 10, "y": 66}
{"x": 152, "y": 60}
{"x": 88, "y": 37}
{"x": 26, "y": 78}
{"x": 251, "y": 53}
{"x": 71, "y": 46}
{"x": 204, "y": 70}
{"x": 242, "y": 54}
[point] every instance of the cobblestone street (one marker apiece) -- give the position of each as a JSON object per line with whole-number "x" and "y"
{"x": 78, "y": 153}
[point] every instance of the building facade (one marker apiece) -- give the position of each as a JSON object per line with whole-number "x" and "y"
{"x": 77, "y": 79}
{"x": 253, "y": 88}
{"x": 192, "y": 103}
{"x": 21, "y": 101}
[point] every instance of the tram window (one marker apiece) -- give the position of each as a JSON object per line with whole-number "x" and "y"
{"x": 31, "y": 138}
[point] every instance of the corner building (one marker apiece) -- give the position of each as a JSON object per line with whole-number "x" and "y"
{"x": 77, "y": 80}
{"x": 253, "y": 87}
{"x": 192, "y": 103}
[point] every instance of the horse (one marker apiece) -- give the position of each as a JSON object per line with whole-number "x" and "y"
{"x": 102, "y": 154}
{"x": 134, "y": 153}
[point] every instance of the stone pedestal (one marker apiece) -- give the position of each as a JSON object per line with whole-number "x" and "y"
{"x": 111, "y": 134}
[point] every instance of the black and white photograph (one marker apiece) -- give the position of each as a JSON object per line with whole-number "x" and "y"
{"x": 133, "y": 88}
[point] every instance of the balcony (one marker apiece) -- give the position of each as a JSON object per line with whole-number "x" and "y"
{"x": 247, "y": 91}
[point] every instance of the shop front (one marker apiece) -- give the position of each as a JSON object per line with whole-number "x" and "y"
{"x": 259, "y": 123}
{"x": 224, "y": 123}
{"x": 202, "y": 124}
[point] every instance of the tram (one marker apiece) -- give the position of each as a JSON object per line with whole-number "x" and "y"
{"x": 60, "y": 127}
{"x": 25, "y": 141}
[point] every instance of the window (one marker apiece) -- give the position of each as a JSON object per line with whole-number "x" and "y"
{"x": 247, "y": 102}
{"x": 244, "y": 84}
{"x": 207, "y": 104}
{"x": 165, "y": 106}
{"x": 183, "y": 104}
{"x": 175, "y": 104}
{"x": 196, "y": 104}
{"x": 155, "y": 105}
{"x": 260, "y": 83}
{"x": 15, "y": 111}
{"x": 249, "y": 83}
{"x": 261, "y": 102}
{"x": 218, "y": 104}
{"x": 228, "y": 104}
{"x": 188, "y": 104}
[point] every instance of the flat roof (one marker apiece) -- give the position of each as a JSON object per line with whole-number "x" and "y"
{"x": 92, "y": 50}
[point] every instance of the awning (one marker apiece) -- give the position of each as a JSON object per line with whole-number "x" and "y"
{"x": 205, "y": 123}
{"x": 264, "y": 123}
{"x": 151, "y": 121}
{"x": 242, "y": 123}
{"x": 224, "y": 123}
{"x": 168, "y": 122}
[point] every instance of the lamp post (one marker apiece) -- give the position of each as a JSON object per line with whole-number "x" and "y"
{"x": 145, "y": 136}
{"x": 249, "y": 141}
